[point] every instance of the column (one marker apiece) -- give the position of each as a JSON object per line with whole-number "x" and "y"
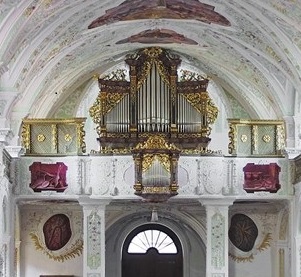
{"x": 217, "y": 236}
{"x": 94, "y": 236}
{"x": 6, "y": 213}
{"x": 296, "y": 232}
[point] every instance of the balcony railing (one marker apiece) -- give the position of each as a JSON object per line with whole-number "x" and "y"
{"x": 53, "y": 136}
{"x": 256, "y": 137}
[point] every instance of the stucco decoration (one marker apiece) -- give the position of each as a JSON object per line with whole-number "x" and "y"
{"x": 59, "y": 236}
{"x": 283, "y": 230}
{"x": 3, "y": 256}
{"x": 94, "y": 240}
{"x": 154, "y": 9}
{"x": 2, "y": 107}
{"x": 218, "y": 240}
{"x": 248, "y": 237}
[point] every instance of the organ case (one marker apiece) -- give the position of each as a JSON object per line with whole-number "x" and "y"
{"x": 154, "y": 100}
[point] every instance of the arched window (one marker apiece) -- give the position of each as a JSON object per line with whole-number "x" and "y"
{"x": 152, "y": 238}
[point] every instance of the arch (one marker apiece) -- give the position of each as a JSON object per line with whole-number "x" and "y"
{"x": 188, "y": 230}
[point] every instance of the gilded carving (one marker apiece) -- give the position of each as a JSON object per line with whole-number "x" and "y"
{"x": 26, "y": 136}
{"x": 153, "y": 58}
{"x": 265, "y": 244}
{"x": 54, "y": 136}
{"x": 244, "y": 138}
{"x": 156, "y": 142}
{"x": 266, "y": 138}
{"x": 232, "y": 138}
{"x": 41, "y": 137}
{"x": 254, "y": 139}
{"x": 74, "y": 250}
{"x": 81, "y": 136}
{"x": 68, "y": 137}
{"x": 96, "y": 111}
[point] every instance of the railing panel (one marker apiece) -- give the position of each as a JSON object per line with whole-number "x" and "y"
{"x": 53, "y": 136}
{"x": 256, "y": 137}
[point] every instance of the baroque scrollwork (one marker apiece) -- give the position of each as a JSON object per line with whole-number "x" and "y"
{"x": 156, "y": 142}
{"x": 152, "y": 57}
{"x": 71, "y": 252}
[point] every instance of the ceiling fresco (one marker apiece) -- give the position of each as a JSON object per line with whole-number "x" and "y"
{"x": 158, "y": 36}
{"x": 157, "y": 9}
{"x": 249, "y": 49}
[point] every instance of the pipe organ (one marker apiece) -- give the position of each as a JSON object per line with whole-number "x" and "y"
{"x": 155, "y": 100}
{"x": 154, "y": 114}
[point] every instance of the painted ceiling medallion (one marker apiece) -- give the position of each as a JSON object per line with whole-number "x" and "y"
{"x": 158, "y": 36}
{"x": 156, "y": 9}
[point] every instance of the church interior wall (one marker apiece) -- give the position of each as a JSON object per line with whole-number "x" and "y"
{"x": 35, "y": 256}
{"x": 271, "y": 220}
{"x": 187, "y": 230}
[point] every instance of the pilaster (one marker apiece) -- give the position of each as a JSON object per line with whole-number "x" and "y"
{"x": 217, "y": 236}
{"x": 7, "y": 97}
{"x": 296, "y": 233}
{"x": 94, "y": 236}
{"x": 290, "y": 131}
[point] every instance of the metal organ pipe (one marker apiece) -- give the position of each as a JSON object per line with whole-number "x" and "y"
{"x": 156, "y": 175}
{"x": 153, "y": 103}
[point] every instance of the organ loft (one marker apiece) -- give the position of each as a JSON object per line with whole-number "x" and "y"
{"x": 156, "y": 113}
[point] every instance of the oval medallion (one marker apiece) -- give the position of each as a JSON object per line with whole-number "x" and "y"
{"x": 57, "y": 231}
{"x": 243, "y": 232}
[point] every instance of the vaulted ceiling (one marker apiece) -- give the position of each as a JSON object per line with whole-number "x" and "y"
{"x": 250, "y": 49}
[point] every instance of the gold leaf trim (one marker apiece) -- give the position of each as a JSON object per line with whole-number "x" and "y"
{"x": 265, "y": 243}
{"x": 76, "y": 249}
{"x": 156, "y": 142}
{"x": 241, "y": 259}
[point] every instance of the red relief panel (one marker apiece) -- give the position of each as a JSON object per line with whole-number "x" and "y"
{"x": 48, "y": 177}
{"x": 261, "y": 177}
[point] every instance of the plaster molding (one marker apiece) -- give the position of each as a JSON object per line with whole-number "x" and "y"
{"x": 5, "y": 135}
{"x": 221, "y": 203}
{"x": 89, "y": 203}
{"x": 14, "y": 151}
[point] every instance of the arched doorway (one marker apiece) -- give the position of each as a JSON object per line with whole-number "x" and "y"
{"x": 152, "y": 250}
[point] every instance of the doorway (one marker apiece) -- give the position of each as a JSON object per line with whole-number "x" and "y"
{"x": 152, "y": 250}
